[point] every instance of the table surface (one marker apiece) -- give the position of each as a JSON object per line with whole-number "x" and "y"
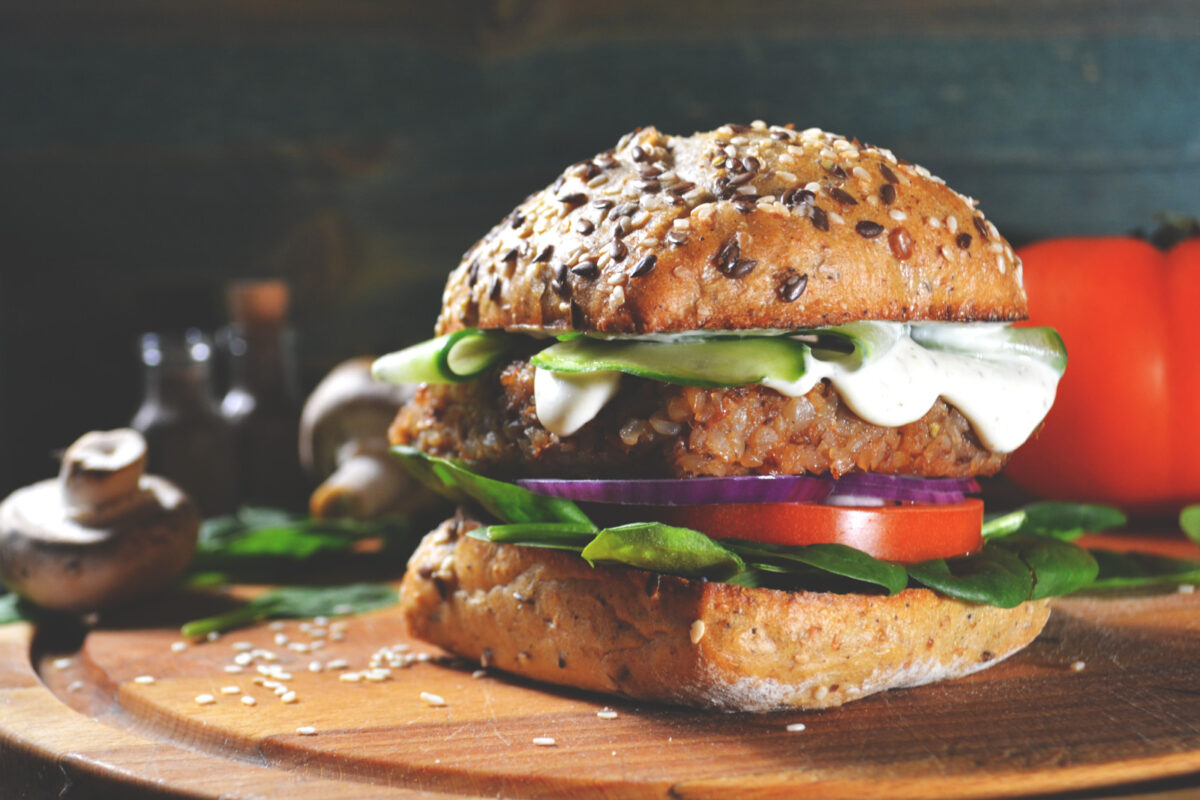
{"x": 1105, "y": 703}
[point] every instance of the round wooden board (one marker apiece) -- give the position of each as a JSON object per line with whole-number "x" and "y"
{"x": 1033, "y": 724}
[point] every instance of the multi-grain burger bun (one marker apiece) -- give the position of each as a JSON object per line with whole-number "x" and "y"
{"x": 548, "y": 616}
{"x": 743, "y": 227}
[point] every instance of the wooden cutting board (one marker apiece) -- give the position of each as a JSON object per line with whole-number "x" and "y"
{"x": 1108, "y": 696}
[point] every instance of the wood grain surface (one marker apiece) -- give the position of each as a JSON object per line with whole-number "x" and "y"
{"x": 1105, "y": 700}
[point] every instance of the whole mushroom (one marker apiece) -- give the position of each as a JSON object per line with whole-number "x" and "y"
{"x": 343, "y": 443}
{"x": 100, "y": 534}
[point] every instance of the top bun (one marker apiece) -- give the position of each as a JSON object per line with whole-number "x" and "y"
{"x": 743, "y": 227}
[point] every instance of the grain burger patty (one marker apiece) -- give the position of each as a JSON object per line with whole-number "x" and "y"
{"x": 710, "y": 406}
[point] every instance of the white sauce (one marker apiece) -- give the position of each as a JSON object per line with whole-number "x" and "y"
{"x": 565, "y": 402}
{"x": 1003, "y": 398}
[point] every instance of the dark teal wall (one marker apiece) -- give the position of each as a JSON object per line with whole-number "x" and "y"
{"x": 148, "y": 155}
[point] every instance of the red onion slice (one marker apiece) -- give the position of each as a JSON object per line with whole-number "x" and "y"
{"x": 755, "y": 489}
{"x": 689, "y": 491}
{"x": 906, "y": 488}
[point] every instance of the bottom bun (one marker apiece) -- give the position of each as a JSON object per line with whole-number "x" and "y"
{"x": 547, "y": 615}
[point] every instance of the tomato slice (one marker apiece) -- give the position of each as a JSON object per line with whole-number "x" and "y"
{"x": 907, "y": 533}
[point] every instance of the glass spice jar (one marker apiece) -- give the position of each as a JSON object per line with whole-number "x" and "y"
{"x": 187, "y": 439}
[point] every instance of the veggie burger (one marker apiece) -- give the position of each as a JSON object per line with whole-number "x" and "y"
{"x": 712, "y": 407}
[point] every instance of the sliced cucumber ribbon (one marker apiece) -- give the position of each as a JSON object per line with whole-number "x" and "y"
{"x": 720, "y": 358}
{"x": 453, "y": 358}
{"x": 724, "y": 361}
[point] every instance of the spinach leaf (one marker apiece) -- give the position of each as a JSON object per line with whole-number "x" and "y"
{"x": 1189, "y": 521}
{"x": 1126, "y": 570}
{"x": 1058, "y": 567}
{"x": 996, "y": 525}
{"x": 994, "y": 575}
{"x": 506, "y": 501}
{"x": 663, "y": 548}
{"x": 832, "y": 558}
{"x": 554, "y": 535}
{"x": 298, "y": 601}
{"x": 13, "y": 609}
{"x": 1069, "y": 520}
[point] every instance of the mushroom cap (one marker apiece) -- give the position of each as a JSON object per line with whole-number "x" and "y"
{"x": 65, "y": 565}
{"x": 347, "y": 407}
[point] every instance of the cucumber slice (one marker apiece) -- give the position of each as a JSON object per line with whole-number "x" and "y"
{"x": 994, "y": 342}
{"x": 723, "y": 361}
{"x": 453, "y": 358}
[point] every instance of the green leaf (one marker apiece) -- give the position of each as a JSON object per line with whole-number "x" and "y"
{"x": 12, "y": 609}
{"x": 555, "y": 535}
{"x": 1069, "y": 520}
{"x": 1128, "y": 570}
{"x": 1189, "y": 521}
{"x": 296, "y": 602}
{"x": 996, "y": 525}
{"x": 832, "y": 558}
{"x": 1058, "y": 567}
{"x": 993, "y": 576}
{"x": 506, "y": 501}
{"x": 663, "y": 548}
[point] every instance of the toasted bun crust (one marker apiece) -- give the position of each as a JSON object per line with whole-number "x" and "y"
{"x": 743, "y": 227}
{"x": 547, "y": 615}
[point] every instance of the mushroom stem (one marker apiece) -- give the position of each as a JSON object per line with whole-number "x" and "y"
{"x": 364, "y": 485}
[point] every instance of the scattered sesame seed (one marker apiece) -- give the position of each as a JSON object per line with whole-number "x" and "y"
{"x": 432, "y": 699}
{"x": 350, "y": 677}
{"x": 887, "y": 193}
{"x": 178, "y": 647}
{"x": 1187, "y": 588}
{"x": 306, "y": 730}
{"x": 247, "y": 700}
{"x": 298, "y": 647}
{"x": 696, "y": 632}
{"x": 74, "y": 686}
{"x": 62, "y": 663}
{"x": 821, "y": 693}
{"x": 281, "y": 639}
{"x": 233, "y": 669}
{"x": 213, "y": 636}
{"x": 243, "y": 659}
{"x": 242, "y": 647}
{"x": 1078, "y": 666}
{"x": 205, "y": 699}
{"x": 337, "y": 663}
{"x": 315, "y": 666}
{"x": 144, "y": 680}
{"x": 952, "y": 223}
{"x": 545, "y": 741}
{"x": 231, "y": 690}
{"x": 479, "y": 673}
{"x": 606, "y": 713}
{"x": 288, "y": 697}
{"x": 897, "y": 215}
{"x": 796, "y": 727}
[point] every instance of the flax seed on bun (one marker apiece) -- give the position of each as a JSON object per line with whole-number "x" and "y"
{"x": 739, "y": 228}
{"x": 742, "y": 228}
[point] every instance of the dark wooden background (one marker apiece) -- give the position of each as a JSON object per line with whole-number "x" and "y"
{"x": 152, "y": 152}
